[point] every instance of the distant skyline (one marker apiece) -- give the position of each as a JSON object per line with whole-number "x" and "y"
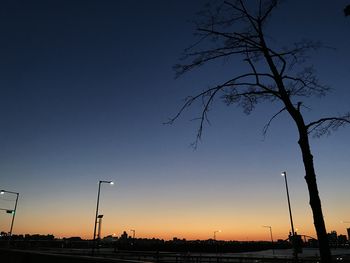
{"x": 85, "y": 89}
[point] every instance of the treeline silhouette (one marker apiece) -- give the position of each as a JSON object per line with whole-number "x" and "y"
{"x": 142, "y": 244}
{"x": 205, "y": 246}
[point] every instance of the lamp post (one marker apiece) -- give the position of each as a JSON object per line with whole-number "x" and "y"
{"x": 284, "y": 174}
{"x": 216, "y": 231}
{"x": 97, "y": 205}
{"x": 14, "y": 210}
{"x": 273, "y": 250}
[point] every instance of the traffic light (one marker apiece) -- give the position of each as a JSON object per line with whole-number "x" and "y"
{"x": 10, "y": 211}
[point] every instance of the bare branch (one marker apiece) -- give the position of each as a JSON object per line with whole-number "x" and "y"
{"x": 271, "y": 6}
{"x": 305, "y": 84}
{"x": 236, "y": 36}
{"x": 181, "y": 69}
{"x": 188, "y": 102}
{"x": 228, "y": 84}
{"x": 267, "y": 126}
{"x": 247, "y": 99}
{"x": 326, "y": 125}
{"x": 248, "y": 89}
{"x": 243, "y": 11}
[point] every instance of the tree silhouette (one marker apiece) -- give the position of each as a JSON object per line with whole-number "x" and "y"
{"x": 276, "y": 75}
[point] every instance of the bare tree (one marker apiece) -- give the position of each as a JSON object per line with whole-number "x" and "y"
{"x": 273, "y": 74}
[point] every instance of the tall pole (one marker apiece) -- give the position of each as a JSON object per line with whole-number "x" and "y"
{"x": 97, "y": 204}
{"x": 95, "y": 222}
{"x": 14, "y": 214}
{"x": 273, "y": 250}
{"x": 284, "y": 174}
{"x": 99, "y": 227}
{"x": 13, "y": 211}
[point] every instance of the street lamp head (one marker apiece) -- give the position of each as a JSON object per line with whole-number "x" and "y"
{"x": 106, "y": 182}
{"x": 2, "y": 192}
{"x": 283, "y": 173}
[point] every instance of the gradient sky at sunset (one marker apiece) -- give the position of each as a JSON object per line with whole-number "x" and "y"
{"x": 85, "y": 87}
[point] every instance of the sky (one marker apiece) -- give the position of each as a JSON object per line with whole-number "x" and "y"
{"x": 85, "y": 90}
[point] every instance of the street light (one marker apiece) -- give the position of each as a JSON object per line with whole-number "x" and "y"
{"x": 273, "y": 250}
{"x": 216, "y": 231}
{"x": 13, "y": 212}
{"x": 97, "y": 204}
{"x": 284, "y": 174}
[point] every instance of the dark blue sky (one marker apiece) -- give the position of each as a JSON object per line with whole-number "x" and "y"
{"x": 85, "y": 87}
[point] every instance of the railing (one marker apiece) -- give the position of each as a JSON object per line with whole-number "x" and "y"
{"x": 174, "y": 257}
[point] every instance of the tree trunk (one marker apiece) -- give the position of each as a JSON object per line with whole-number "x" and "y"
{"x": 315, "y": 201}
{"x": 310, "y": 176}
